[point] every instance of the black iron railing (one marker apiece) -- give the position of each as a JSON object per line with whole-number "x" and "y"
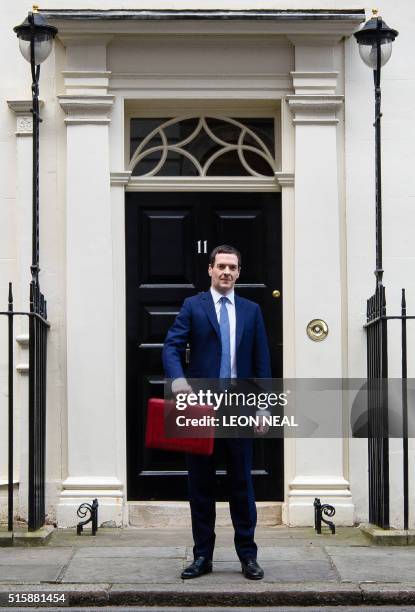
{"x": 38, "y": 328}
{"x": 378, "y": 410}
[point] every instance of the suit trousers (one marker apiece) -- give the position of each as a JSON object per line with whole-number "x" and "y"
{"x": 202, "y": 477}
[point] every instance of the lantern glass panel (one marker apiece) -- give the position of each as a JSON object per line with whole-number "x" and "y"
{"x": 368, "y": 53}
{"x": 43, "y": 47}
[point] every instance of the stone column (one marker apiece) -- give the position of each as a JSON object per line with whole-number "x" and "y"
{"x": 92, "y": 462}
{"x": 24, "y": 135}
{"x": 317, "y": 467}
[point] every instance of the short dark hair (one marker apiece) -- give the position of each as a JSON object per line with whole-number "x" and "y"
{"x": 224, "y": 248}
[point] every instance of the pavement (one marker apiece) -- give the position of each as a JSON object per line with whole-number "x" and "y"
{"x": 141, "y": 567}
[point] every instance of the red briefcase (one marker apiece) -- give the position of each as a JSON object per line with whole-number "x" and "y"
{"x": 161, "y": 412}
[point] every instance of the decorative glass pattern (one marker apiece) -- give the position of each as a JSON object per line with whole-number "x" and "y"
{"x": 202, "y": 146}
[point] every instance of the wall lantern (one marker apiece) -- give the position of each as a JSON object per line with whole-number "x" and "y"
{"x": 35, "y": 42}
{"x": 375, "y": 47}
{"x": 35, "y": 28}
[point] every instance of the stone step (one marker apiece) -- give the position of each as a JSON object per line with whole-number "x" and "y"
{"x": 176, "y": 514}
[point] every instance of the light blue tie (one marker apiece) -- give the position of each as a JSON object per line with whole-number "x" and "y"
{"x": 225, "y": 335}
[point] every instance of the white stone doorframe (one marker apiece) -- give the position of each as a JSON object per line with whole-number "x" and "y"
{"x": 95, "y": 268}
{"x": 166, "y": 513}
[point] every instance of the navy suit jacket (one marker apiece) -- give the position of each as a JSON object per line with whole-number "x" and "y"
{"x": 197, "y": 324}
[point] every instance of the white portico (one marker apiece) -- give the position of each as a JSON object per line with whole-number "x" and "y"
{"x": 289, "y": 67}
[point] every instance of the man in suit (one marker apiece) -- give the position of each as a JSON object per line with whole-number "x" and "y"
{"x": 227, "y": 339}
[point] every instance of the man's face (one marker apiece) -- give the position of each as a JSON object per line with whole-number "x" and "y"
{"x": 224, "y": 273}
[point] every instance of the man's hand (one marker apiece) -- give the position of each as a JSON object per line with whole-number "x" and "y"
{"x": 180, "y": 385}
{"x": 262, "y": 428}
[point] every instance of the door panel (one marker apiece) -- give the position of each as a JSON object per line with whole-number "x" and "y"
{"x": 164, "y": 236}
{"x": 243, "y": 229}
{"x": 165, "y": 263}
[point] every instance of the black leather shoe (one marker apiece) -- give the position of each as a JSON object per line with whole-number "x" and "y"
{"x": 200, "y": 566}
{"x": 252, "y": 570}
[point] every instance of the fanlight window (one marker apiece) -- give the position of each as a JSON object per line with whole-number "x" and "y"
{"x": 202, "y": 146}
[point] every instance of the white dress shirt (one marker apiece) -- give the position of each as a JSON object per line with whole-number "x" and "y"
{"x": 230, "y": 306}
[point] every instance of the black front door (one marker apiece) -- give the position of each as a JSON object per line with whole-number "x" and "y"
{"x": 168, "y": 240}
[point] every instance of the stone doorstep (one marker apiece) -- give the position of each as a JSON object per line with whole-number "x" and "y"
{"x": 167, "y": 514}
{"x": 23, "y": 537}
{"x": 388, "y": 537}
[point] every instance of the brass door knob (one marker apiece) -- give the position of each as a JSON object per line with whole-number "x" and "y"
{"x": 276, "y": 294}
